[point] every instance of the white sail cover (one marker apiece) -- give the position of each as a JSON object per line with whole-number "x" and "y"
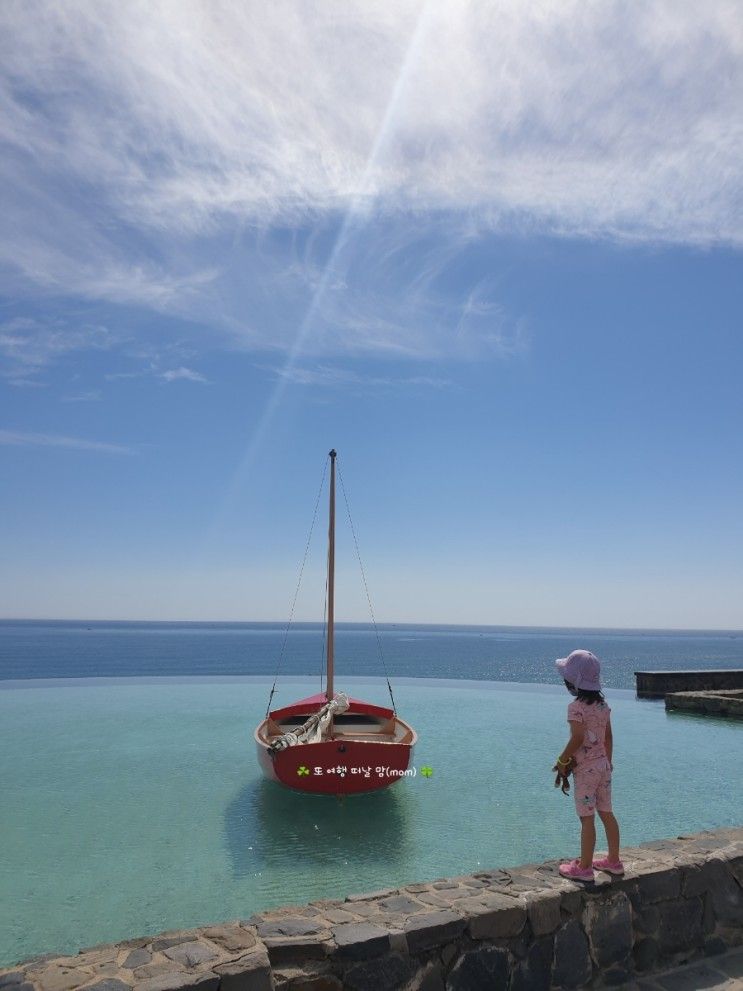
{"x": 312, "y": 731}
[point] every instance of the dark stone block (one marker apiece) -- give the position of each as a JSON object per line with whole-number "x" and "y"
{"x": 736, "y": 868}
{"x": 400, "y": 903}
{"x": 230, "y": 937}
{"x": 251, "y": 972}
{"x": 544, "y": 912}
{"x": 482, "y": 969}
{"x": 294, "y": 981}
{"x": 608, "y": 925}
{"x": 431, "y": 978}
{"x": 572, "y": 959}
{"x": 361, "y": 941}
{"x": 373, "y": 895}
{"x": 13, "y": 977}
{"x": 137, "y": 958}
{"x": 111, "y": 984}
{"x": 571, "y": 902}
{"x": 646, "y": 919}
{"x": 699, "y": 879}
{"x": 385, "y": 974}
{"x": 714, "y": 946}
{"x": 177, "y": 980}
{"x": 290, "y": 927}
{"x": 680, "y": 926}
{"x": 724, "y": 891}
{"x": 164, "y": 942}
{"x": 286, "y": 949}
{"x": 534, "y": 972}
{"x": 659, "y": 885}
{"x": 191, "y": 955}
{"x": 495, "y": 916}
{"x": 433, "y": 929}
{"x": 662, "y": 846}
{"x": 616, "y": 976}
{"x": 645, "y": 954}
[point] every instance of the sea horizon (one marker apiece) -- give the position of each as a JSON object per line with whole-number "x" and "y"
{"x": 31, "y": 648}
{"x": 380, "y": 624}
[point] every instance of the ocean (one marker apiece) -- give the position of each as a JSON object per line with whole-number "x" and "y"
{"x": 42, "y": 650}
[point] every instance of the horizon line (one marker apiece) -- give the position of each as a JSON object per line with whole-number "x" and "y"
{"x": 282, "y": 624}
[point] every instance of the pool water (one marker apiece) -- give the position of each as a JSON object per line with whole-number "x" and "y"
{"x": 130, "y": 808}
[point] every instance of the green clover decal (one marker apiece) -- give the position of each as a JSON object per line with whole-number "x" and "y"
{"x": 426, "y": 771}
{"x": 302, "y": 770}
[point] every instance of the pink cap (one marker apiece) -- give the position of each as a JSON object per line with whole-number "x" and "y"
{"x": 581, "y": 669}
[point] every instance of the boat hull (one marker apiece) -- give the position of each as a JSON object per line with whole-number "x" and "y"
{"x": 337, "y": 767}
{"x": 350, "y": 761}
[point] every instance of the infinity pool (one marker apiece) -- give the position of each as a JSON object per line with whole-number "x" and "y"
{"x": 129, "y": 808}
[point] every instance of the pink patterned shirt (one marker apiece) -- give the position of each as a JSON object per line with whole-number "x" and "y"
{"x": 595, "y": 718}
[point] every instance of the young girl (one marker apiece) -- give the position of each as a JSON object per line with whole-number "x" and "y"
{"x": 590, "y": 745}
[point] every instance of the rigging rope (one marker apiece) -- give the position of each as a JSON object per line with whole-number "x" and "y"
{"x": 296, "y": 593}
{"x": 366, "y": 587}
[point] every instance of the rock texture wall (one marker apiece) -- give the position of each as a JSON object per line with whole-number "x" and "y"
{"x": 523, "y": 929}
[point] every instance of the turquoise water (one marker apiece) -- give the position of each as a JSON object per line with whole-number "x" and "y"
{"x": 129, "y": 808}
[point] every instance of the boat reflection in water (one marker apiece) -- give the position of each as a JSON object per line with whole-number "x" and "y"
{"x": 268, "y": 828}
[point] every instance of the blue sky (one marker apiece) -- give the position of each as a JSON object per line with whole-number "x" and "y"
{"x": 493, "y": 256}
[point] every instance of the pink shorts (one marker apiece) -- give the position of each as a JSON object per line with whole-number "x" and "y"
{"x": 592, "y": 788}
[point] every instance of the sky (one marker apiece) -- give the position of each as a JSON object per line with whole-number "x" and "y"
{"x": 491, "y": 253}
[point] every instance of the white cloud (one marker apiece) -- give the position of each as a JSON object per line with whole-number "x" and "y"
{"x": 91, "y": 396}
{"x": 154, "y": 150}
{"x": 187, "y": 374}
{"x": 586, "y": 117}
{"x": 328, "y": 376}
{"x": 22, "y": 439}
{"x": 28, "y": 346}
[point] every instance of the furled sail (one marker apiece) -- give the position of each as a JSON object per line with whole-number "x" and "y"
{"x": 313, "y": 730}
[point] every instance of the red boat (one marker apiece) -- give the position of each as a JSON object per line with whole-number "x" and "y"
{"x": 330, "y": 744}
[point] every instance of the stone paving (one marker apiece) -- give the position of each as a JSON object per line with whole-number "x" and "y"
{"x": 723, "y": 973}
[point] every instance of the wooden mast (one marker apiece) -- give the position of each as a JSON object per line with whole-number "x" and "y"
{"x": 331, "y": 578}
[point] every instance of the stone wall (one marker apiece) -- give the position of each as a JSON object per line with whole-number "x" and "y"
{"x": 728, "y": 703}
{"x": 656, "y": 684}
{"x": 522, "y": 929}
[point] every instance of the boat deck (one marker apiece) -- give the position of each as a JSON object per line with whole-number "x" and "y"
{"x": 346, "y": 727}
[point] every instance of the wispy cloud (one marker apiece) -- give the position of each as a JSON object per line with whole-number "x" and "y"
{"x": 328, "y": 376}
{"x": 197, "y": 165}
{"x": 185, "y": 374}
{"x": 581, "y": 117}
{"x": 91, "y": 396}
{"x": 29, "y": 345}
{"x": 21, "y": 439}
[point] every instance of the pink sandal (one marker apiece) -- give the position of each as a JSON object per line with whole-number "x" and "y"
{"x": 575, "y": 872}
{"x": 610, "y": 866}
